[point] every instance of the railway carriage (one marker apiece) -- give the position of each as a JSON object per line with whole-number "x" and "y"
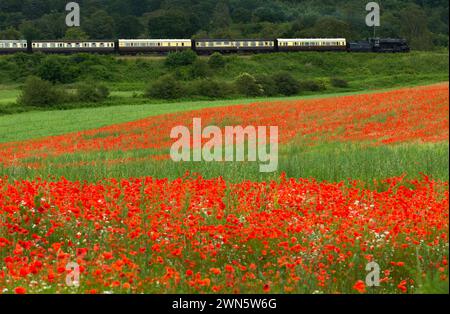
{"x": 73, "y": 46}
{"x": 207, "y": 46}
{"x": 312, "y": 44}
{"x": 134, "y": 46}
{"x": 12, "y": 46}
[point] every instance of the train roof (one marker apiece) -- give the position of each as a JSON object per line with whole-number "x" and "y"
{"x": 74, "y": 41}
{"x": 154, "y": 40}
{"x": 234, "y": 39}
{"x": 13, "y": 41}
{"x": 310, "y": 39}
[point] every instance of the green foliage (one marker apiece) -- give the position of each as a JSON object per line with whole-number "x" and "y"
{"x": 199, "y": 69}
{"x": 167, "y": 87}
{"x": 216, "y": 61}
{"x": 176, "y": 59}
{"x": 92, "y": 92}
{"x": 40, "y": 93}
{"x": 268, "y": 85}
{"x": 75, "y": 33}
{"x": 423, "y": 23}
{"x": 312, "y": 86}
{"x": 247, "y": 85}
{"x": 210, "y": 88}
{"x": 286, "y": 84}
{"x": 338, "y": 82}
{"x": 56, "y": 70}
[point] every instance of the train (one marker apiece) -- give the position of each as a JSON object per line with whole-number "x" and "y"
{"x": 203, "y": 46}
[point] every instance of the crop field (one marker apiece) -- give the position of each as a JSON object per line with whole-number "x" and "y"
{"x": 361, "y": 178}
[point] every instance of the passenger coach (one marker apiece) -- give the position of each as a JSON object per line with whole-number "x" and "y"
{"x": 312, "y": 44}
{"x": 12, "y": 46}
{"x": 71, "y": 46}
{"x": 207, "y": 46}
{"x": 153, "y": 45}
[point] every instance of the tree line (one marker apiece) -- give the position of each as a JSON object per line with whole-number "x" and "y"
{"x": 424, "y": 23}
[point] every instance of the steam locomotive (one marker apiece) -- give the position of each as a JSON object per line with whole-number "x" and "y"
{"x": 203, "y": 46}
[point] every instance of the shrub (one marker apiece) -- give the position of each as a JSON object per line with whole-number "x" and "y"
{"x": 246, "y": 85}
{"x": 167, "y": 87}
{"x": 338, "y": 82}
{"x": 210, "y": 88}
{"x": 40, "y": 93}
{"x": 286, "y": 84}
{"x": 176, "y": 59}
{"x": 53, "y": 69}
{"x": 312, "y": 86}
{"x": 216, "y": 61}
{"x": 268, "y": 85}
{"x": 91, "y": 92}
{"x": 199, "y": 69}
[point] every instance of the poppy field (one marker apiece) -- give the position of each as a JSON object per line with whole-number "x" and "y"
{"x": 362, "y": 178}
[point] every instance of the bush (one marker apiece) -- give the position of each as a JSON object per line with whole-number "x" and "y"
{"x": 53, "y": 69}
{"x": 210, "y": 88}
{"x": 246, "y": 85}
{"x": 338, "y": 82}
{"x": 199, "y": 69}
{"x": 167, "y": 87}
{"x": 268, "y": 85}
{"x": 176, "y": 59}
{"x": 41, "y": 93}
{"x": 312, "y": 86}
{"x": 286, "y": 84}
{"x": 91, "y": 92}
{"x": 216, "y": 61}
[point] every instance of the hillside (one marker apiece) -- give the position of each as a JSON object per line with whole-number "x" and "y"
{"x": 424, "y": 23}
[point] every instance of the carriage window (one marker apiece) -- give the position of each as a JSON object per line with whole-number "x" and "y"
{"x": 94, "y": 45}
{"x": 102, "y": 44}
{"x": 226, "y": 43}
{"x": 182, "y": 44}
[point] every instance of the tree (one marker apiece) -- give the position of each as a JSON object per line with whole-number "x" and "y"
{"x": 75, "y": 33}
{"x": 171, "y": 24}
{"x": 216, "y": 61}
{"x": 29, "y": 30}
{"x": 99, "y": 25}
{"x": 128, "y": 26}
{"x": 167, "y": 87}
{"x": 246, "y": 84}
{"x": 271, "y": 12}
{"x": 176, "y": 59}
{"x": 328, "y": 27}
{"x": 39, "y": 93}
{"x": 413, "y": 27}
{"x": 10, "y": 33}
{"x": 221, "y": 15}
{"x": 53, "y": 69}
{"x": 286, "y": 84}
{"x": 51, "y": 26}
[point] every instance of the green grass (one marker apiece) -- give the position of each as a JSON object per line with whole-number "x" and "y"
{"x": 8, "y": 96}
{"x": 332, "y": 162}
